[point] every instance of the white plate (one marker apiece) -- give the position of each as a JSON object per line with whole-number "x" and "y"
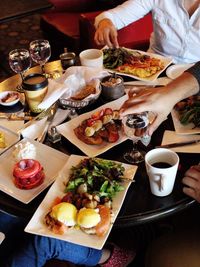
{"x": 51, "y": 160}
{"x": 175, "y": 71}
{"x": 66, "y": 129}
{"x": 166, "y": 62}
{"x": 171, "y": 137}
{"x": 10, "y": 138}
{"x": 36, "y": 225}
{"x": 183, "y": 129}
{"x": 4, "y": 94}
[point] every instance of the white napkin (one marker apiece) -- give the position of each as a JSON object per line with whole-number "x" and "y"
{"x": 37, "y": 127}
{"x": 172, "y": 137}
{"x": 67, "y": 83}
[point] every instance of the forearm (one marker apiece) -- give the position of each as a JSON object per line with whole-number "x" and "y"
{"x": 184, "y": 86}
{"x": 126, "y": 13}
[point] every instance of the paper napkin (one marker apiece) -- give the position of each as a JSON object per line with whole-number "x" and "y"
{"x": 74, "y": 78}
{"x": 36, "y": 128}
{"x": 172, "y": 137}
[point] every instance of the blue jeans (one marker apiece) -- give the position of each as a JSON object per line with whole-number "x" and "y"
{"x": 13, "y": 228}
{"x": 20, "y": 249}
{"x": 36, "y": 250}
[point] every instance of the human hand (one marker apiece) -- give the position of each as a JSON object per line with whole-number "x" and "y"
{"x": 106, "y": 34}
{"x": 192, "y": 182}
{"x": 156, "y": 100}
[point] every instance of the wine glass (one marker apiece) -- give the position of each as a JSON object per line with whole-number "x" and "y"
{"x": 135, "y": 126}
{"x": 40, "y": 51}
{"x": 19, "y": 61}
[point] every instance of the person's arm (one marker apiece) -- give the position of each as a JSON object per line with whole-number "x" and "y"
{"x": 161, "y": 100}
{"x": 191, "y": 181}
{"x": 107, "y": 23}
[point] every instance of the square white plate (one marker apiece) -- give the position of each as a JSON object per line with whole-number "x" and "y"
{"x": 66, "y": 129}
{"x": 10, "y": 138}
{"x": 166, "y": 62}
{"x": 37, "y": 226}
{"x": 171, "y": 137}
{"x": 183, "y": 129}
{"x": 51, "y": 160}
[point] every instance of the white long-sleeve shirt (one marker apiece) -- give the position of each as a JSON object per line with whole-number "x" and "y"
{"x": 176, "y": 34}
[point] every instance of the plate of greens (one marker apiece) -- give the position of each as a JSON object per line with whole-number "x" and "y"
{"x": 105, "y": 178}
{"x": 136, "y": 64}
{"x": 186, "y": 116}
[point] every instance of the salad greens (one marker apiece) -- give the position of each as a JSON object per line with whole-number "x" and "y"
{"x": 190, "y": 113}
{"x": 102, "y": 177}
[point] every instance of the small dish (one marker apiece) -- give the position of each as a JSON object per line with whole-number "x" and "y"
{"x": 51, "y": 169}
{"x": 9, "y": 98}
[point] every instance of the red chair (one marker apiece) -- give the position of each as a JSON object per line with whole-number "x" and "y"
{"x": 70, "y": 24}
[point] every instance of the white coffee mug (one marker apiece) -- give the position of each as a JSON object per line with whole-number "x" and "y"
{"x": 91, "y": 58}
{"x": 161, "y": 166}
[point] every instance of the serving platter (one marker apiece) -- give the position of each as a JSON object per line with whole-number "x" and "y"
{"x": 67, "y": 130}
{"x": 51, "y": 166}
{"x": 165, "y": 61}
{"x": 36, "y": 224}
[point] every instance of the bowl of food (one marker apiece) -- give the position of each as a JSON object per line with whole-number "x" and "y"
{"x": 9, "y": 98}
{"x": 112, "y": 87}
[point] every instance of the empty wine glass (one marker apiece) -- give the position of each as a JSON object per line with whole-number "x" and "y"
{"x": 40, "y": 51}
{"x": 135, "y": 126}
{"x": 19, "y": 61}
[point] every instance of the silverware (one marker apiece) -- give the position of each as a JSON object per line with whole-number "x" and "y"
{"x": 178, "y": 144}
{"x": 48, "y": 123}
{"x": 15, "y": 117}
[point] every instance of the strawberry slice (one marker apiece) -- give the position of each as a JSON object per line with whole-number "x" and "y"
{"x": 108, "y": 111}
{"x": 113, "y": 136}
{"x": 97, "y": 115}
{"x": 90, "y": 122}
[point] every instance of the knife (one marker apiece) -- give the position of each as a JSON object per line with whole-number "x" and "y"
{"x": 178, "y": 144}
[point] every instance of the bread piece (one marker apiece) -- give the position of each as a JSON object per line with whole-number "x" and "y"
{"x": 85, "y": 91}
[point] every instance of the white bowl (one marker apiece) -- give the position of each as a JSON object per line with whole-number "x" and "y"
{"x": 5, "y": 94}
{"x": 91, "y": 58}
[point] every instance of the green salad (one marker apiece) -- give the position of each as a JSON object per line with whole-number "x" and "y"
{"x": 101, "y": 177}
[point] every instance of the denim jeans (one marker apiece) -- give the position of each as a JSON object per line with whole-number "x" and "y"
{"x": 25, "y": 250}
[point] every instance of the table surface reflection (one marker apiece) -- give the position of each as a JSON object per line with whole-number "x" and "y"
{"x": 140, "y": 205}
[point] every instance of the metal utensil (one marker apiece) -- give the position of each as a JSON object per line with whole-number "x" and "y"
{"x": 15, "y": 117}
{"x": 48, "y": 122}
{"x": 178, "y": 144}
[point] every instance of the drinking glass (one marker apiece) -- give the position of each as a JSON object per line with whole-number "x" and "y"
{"x": 40, "y": 51}
{"x": 19, "y": 61}
{"x": 135, "y": 126}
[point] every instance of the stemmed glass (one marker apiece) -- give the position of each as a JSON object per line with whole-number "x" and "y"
{"x": 135, "y": 126}
{"x": 40, "y": 51}
{"x": 19, "y": 61}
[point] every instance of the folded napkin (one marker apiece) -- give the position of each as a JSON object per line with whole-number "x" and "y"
{"x": 172, "y": 137}
{"x": 74, "y": 78}
{"x": 36, "y": 128}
